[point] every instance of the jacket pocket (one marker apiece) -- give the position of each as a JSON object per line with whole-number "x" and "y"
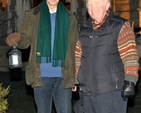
{"x": 31, "y": 71}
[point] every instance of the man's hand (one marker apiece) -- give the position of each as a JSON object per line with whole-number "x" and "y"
{"x": 13, "y": 39}
{"x": 74, "y": 89}
{"x": 128, "y": 90}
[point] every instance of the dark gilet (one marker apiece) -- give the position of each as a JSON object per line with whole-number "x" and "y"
{"x": 101, "y": 67}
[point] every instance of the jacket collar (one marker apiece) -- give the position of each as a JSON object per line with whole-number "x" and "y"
{"x": 37, "y": 9}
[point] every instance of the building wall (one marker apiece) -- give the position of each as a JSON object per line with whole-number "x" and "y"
{"x": 128, "y": 10}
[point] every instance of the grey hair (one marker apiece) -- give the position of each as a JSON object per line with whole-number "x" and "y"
{"x": 107, "y": 1}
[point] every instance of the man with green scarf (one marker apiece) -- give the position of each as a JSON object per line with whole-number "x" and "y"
{"x": 51, "y": 32}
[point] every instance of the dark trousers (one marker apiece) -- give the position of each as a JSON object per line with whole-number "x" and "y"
{"x": 111, "y": 102}
{"x": 52, "y": 91}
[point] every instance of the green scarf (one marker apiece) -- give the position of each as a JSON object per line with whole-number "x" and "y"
{"x": 62, "y": 26}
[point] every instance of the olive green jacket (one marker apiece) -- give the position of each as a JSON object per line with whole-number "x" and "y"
{"x": 28, "y": 32}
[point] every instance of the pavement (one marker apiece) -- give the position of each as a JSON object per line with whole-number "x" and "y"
{"x": 21, "y": 99}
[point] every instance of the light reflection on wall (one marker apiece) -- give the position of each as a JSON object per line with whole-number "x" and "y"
{"x": 122, "y": 8}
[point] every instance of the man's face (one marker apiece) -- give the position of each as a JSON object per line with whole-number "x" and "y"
{"x": 52, "y": 3}
{"x": 97, "y": 9}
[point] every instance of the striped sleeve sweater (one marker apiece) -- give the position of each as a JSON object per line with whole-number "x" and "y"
{"x": 128, "y": 53}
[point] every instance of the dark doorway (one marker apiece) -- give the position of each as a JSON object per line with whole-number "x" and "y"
{"x": 36, "y": 2}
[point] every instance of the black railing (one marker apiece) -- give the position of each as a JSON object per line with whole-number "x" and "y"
{"x": 15, "y": 22}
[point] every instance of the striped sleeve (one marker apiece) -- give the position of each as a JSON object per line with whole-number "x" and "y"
{"x": 128, "y": 52}
{"x": 78, "y": 53}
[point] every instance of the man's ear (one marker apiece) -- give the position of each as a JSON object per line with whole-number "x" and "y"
{"x": 108, "y": 5}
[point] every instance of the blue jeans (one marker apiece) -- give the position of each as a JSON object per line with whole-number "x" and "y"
{"x": 52, "y": 91}
{"x": 111, "y": 102}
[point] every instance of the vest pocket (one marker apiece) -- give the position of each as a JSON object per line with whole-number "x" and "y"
{"x": 114, "y": 76}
